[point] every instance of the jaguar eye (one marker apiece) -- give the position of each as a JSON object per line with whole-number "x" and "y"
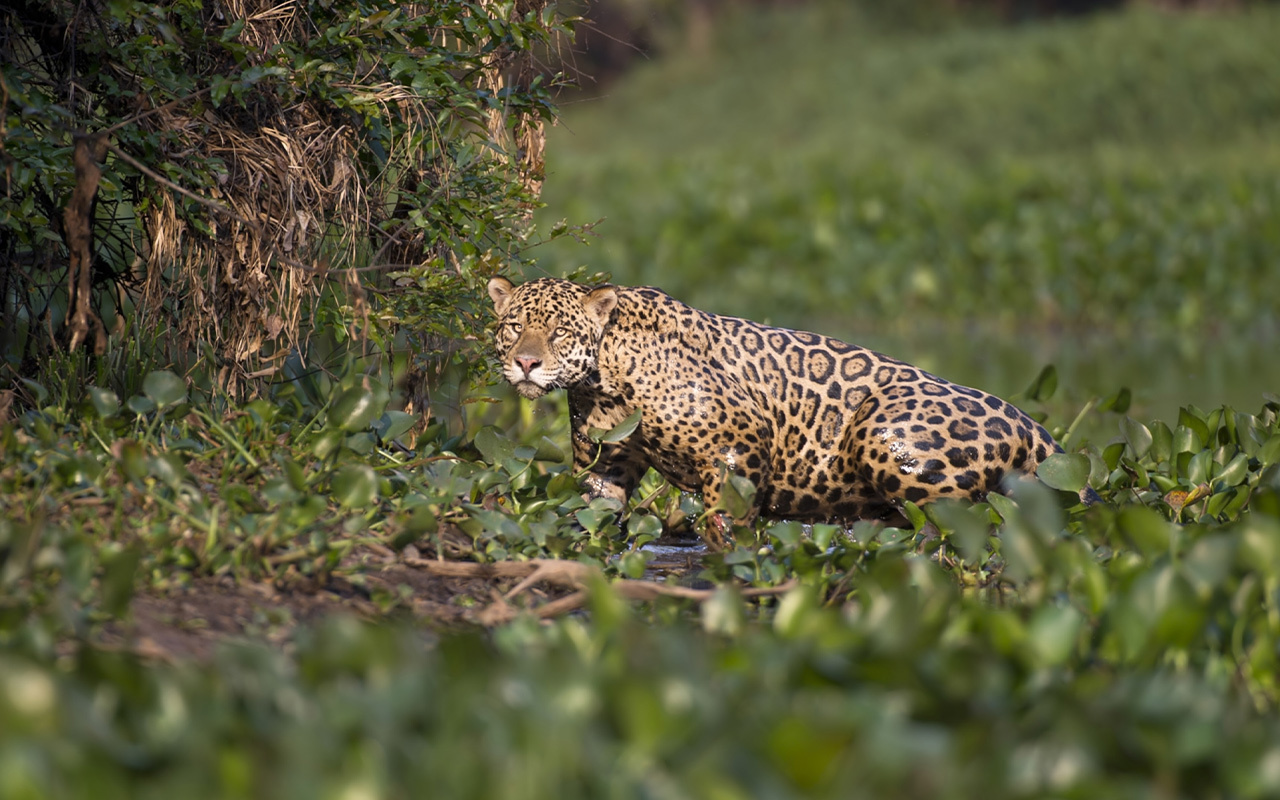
{"x": 514, "y": 327}
{"x": 561, "y": 331}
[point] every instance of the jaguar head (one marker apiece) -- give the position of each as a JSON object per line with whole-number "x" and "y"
{"x": 549, "y": 331}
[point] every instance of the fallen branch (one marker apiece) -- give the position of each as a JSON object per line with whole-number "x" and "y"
{"x": 568, "y": 574}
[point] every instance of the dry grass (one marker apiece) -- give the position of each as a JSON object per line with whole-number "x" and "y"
{"x": 299, "y": 206}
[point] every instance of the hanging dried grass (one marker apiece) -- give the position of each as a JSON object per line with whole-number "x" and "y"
{"x": 299, "y": 195}
{"x": 266, "y": 160}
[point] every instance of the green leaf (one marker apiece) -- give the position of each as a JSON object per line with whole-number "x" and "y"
{"x": 495, "y": 447}
{"x": 1147, "y": 531}
{"x": 1045, "y": 384}
{"x": 164, "y": 388}
{"x": 394, "y": 424}
{"x": 232, "y": 31}
{"x": 644, "y": 525}
{"x": 788, "y": 533}
{"x": 355, "y": 485}
{"x": 140, "y": 405}
{"x": 1198, "y": 467}
{"x": 617, "y": 433}
{"x": 41, "y": 393}
{"x": 1003, "y": 506}
{"x": 593, "y": 519}
{"x": 1219, "y": 501}
{"x": 327, "y": 443}
{"x": 278, "y": 491}
{"x": 548, "y": 451}
{"x": 1137, "y": 435}
{"x": 633, "y": 564}
{"x": 105, "y": 402}
{"x": 1270, "y": 452}
{"x": 119, "y": 571}
{"x": 914, "y": 515}
{"x": 967, "y": 528}
{"x": 1189, "y": 417}
{"x": 724, "y": 612}
{"x": 1185, "y": 440}
{"x": 168, "y": 469}
{"x": 1234, "y": 473}
{"x": 798, "y": 608}
{"x": 1068, "y": 472}
{"x": 738, "y": 496}
{"x": 1111, "y": 454}
{"x": 356, "y": 408}
{"x": 1118, "y": 402}
{"x": 1161, "y": 441}
{"x": 1052, "y": 634}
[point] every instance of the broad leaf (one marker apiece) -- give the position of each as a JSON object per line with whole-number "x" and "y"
{"x": 356, "y": 408}
{"x": 105, "y": 402}
{"x": 1137, "y": 435}
{"x": 618, "y": 432}
{"x": 164, "y": 388}
{"x": 355, "y": 485}
{"x": 1068, "y": 472}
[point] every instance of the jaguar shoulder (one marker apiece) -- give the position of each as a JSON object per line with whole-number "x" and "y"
{"x": 825, "y": 430}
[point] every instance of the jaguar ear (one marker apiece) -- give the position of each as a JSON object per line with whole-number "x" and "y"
{"x": 600, "y": 303}
{"x": 500, "y": 293}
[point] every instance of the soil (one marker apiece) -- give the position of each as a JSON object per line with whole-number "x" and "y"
{"x": 192, "y": 622}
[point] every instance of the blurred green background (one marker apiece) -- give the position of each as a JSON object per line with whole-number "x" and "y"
{"x": 978, "y": 196}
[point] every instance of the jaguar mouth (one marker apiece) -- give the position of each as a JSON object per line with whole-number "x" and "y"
{"x": 530, "y": 389}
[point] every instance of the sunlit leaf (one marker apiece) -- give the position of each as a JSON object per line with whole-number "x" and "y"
{"x": 1193, "y": 419}
{"x": 1161, "y": 441}
{"x": 1067, "y": 472}
{"x": 1270, "y": 452}
{"x": 1234, "y": 473}
{"x": 1137, "y": 435}
{"x": 355, "y": 408}
{"x": 618, "y": 432}
{"x": 1185, "y": 440}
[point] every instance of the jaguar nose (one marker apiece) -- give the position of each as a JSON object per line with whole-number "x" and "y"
{"x": 528, "y": 363}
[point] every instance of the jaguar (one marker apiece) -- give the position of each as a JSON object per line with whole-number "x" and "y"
{"x": 822, "y": 429}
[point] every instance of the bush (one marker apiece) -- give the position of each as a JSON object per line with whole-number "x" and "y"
{"x": 264, "y": 173}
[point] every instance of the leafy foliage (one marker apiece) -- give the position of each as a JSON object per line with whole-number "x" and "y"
{"x": 1007, "y": 177}
{"x": 1086, "y": 649}
{"x": 255, "y": 151}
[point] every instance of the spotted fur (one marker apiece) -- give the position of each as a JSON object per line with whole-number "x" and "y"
{"x": 825, "y": 430}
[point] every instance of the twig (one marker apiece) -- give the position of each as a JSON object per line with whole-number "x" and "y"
{"x": 570, "y": 574}
{"x": 156, "y": 110}
{"x": 158, "y": 178}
